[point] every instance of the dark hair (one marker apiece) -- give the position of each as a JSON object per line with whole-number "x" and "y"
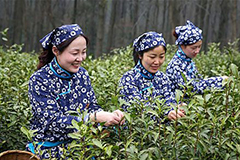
{"x": 136, "y": 54}
{"x": 47, "y": 55}
{"x": 175, "y": 34}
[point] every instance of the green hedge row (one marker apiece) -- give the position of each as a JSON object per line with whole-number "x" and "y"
{"x": 210, "y": 130}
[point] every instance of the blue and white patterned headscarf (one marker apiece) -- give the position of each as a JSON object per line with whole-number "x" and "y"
{"x": 188, "y": 34}
{"x": 148, "y": 40}
{"x": 60, "y": 34}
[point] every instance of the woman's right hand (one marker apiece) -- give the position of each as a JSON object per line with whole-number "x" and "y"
{"x": 173, "y": 115}
{"x": 109, "y": 118}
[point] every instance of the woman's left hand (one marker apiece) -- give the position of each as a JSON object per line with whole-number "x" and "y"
{"x": 225, "y": 78}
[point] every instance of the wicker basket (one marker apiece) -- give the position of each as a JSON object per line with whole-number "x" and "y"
{"x": 17, "y": 155}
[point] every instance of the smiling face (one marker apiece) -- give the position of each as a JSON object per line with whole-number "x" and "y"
{"x": 192, "y": 50}
{"x": 73, "y": 55}
{"x": 153, "y": 59}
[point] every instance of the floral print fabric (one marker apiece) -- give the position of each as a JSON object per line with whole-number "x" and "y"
{"x": 53, "y": 92}
{"x": 135, "y": 83}
{"x": 180, "y": 63}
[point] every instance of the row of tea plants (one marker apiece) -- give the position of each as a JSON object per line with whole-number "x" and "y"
{"x": 211, "y": 129}
{"x": 15, "y": 70}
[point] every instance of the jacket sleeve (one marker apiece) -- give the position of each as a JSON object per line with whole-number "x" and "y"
{"x": 129, "y": 91}
{"x": 199, "y": 85}
{"x": 93, "y": 105}
{"x": 168, "y": 92}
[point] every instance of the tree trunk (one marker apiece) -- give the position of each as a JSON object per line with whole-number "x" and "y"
{"x": 100, "y": 29}
{"x": 19, "y": 7}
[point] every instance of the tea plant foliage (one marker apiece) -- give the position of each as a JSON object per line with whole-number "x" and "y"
{"x": 15, "y": 70}
{"x": 210, "y": 130}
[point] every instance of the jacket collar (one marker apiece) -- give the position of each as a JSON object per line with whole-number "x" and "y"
{"x": 139, "y": 68}
{"x": 59, "y": 71}
{"x": 182, "y": 55}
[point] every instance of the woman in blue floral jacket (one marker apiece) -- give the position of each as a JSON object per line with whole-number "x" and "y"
{"x": 189, "y": 41}
{"x": 149, "y": 54}
{"x": 61, "y": 85}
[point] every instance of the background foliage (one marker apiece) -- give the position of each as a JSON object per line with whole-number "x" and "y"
{"x": 209, "y": 131}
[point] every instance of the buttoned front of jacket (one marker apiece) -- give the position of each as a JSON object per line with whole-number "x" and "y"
{"x": 139, "y": 85}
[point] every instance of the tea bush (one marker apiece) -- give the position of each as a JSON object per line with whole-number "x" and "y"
{"x": 15, "y": 70}
{"x": 209, "y": 131}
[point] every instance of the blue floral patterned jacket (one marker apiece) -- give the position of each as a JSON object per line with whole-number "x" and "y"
{"x": 180, "y": 63}
{"x": 52, "y": 93}
{"x": 135, "y": 83}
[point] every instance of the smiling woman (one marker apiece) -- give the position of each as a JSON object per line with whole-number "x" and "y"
{"x": 149, "y": 54}
{"x": 61, "y": 85}
{"x": 71, "y": 58}
{"x": 153, "y": 59}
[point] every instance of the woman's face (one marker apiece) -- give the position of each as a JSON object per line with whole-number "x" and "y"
{"x": 71, "y": 58}
{"x": 153, "y": 59}
{"x": 192, "y": 50}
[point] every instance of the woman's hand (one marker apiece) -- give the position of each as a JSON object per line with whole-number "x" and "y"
{"x": 120, "y": 115}
{"x": 173, "y": 115}
{"x": 109, "y": 118}
{"x": 225, "y": 78}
